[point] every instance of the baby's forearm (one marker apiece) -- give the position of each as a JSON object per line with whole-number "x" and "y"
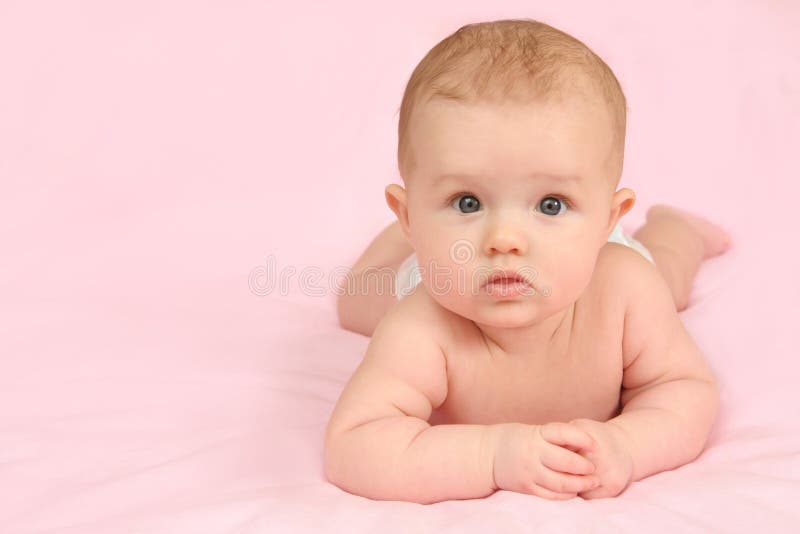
{"x": 404, "y": 458}
{"x": 667, "y": 426}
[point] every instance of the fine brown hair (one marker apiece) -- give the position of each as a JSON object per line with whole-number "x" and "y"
{"x": 520, "y": 59}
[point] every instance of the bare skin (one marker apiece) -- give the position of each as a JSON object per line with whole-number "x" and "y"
{"x": 489, "y": 394}
{"x": 463, "y": 393}
{"x": 679, "y": 242}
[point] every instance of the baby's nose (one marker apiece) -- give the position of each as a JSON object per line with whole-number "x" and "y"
{"x": 506, "y": 241}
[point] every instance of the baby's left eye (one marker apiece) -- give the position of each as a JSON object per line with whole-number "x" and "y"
{"x": 552, "y": 205}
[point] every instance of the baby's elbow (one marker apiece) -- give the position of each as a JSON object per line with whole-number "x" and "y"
{"x": 712, "y": 394}
{"x": 715, "y": 399}
{"x": 330, "y": 460}
{"x": 328, "y": 468}
{"x": 710, "y": 409}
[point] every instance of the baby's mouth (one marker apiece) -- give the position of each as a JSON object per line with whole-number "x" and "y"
{"x": 508, "y": 284}
{"x": 506, "y": 277}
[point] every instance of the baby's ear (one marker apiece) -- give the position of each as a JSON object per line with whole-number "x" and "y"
{"x": 397, "y": 200}
{"x": 621, "y": 203}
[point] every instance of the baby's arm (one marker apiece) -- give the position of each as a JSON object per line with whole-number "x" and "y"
{"x": 669, "y": 396}
{"x": 379, "y": 443}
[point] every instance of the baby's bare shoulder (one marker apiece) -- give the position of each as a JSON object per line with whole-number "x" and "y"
{"x": 616, "y": 268}
{"x": 403, "y": 372}
{"x": 421, "y": 315}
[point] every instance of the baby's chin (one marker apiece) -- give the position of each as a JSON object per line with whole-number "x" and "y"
{"x": 511, "y": 313}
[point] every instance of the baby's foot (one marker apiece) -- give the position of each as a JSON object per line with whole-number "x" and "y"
{"x": 715, "y": 239}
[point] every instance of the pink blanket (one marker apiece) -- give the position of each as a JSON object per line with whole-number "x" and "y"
{"x": 182, "y": 182}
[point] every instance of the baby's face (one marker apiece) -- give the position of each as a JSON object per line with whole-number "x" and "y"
{"x": 524, "y": 187}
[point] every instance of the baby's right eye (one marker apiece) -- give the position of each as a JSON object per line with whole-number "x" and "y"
{"x": 466, "y": 203}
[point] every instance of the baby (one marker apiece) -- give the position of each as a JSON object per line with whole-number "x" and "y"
{"x": 526, "y": 344}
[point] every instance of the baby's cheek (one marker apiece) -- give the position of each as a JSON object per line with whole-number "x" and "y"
{"x": 438, "y": 274}
{"x": 571, "y": 277}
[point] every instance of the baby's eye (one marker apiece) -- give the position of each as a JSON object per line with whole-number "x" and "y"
{"x": 467, "y": 203}
{"x": 552, "y": 205}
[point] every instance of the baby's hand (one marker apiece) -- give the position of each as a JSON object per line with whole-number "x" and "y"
{"x": 535, "y": 459}
{"x": 611, "y": 458}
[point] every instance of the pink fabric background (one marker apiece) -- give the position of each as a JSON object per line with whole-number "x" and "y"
{"x": 154, "y": 155}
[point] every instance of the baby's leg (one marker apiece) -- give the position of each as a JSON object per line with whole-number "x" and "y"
{"x": 361, "y": 307}
{"x": 679, "y": 242}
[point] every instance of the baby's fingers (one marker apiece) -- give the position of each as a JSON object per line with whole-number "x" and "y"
{"x": 564, "y": 434}
{"x": 564, "y": 483}
{"x": 541, "y": 491}
{"x": 561, "y": 459}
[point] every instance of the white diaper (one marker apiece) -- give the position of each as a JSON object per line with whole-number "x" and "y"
{"x": 408, "y": 274}
{"x": 618, "y": 236}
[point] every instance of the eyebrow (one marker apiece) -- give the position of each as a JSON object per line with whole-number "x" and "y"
{"x": 542, "y": 176}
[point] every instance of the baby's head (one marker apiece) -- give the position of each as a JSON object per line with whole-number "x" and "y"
{"x": 510, "y": 145}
